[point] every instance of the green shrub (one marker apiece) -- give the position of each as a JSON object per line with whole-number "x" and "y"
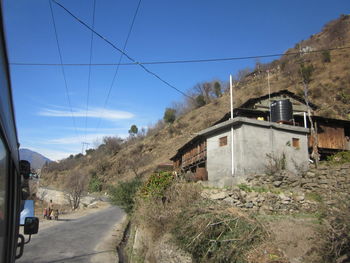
{"x": 95, "y": 184}
{"x": 326, "y": 56}
{"x": 314, "y": 197}
{"x": 245, "y": 187}
{"x": 169, "y": 115}
{"x": 200, "y": 101}
{"x": 123, "y": 194}
{"x": 339, "y": 158}
{"x": 156, "y": 185}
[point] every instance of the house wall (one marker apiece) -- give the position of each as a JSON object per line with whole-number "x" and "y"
{"x": 330, "y": 137}
{"x": 252, "y": 143}
{"x": 219, "y": 159}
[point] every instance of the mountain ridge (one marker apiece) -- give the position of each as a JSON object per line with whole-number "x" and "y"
{"x": 36, "y": 159}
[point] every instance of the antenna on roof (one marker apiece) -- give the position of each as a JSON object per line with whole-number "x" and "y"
{"x": 231, "y": 97}
{"x": 232, "y": 160}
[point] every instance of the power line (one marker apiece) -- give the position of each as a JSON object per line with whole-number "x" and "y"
{"x": 89, "y": 77}
{"x": 62, "y": 68}
{"x": 180, "y": 61}
{"x": 121, "y": 51}
{"x": 118, "y": 65}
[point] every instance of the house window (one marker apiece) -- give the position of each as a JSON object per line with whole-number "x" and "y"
{"x": 296, "y": 143}
{"x": 223, "y": 141}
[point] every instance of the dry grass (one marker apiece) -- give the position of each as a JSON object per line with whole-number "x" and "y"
{"x": 209, "y": 231}
{"x": 159, "y": 213}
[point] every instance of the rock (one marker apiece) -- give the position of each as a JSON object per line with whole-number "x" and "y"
{"x": 285, "y": 202}
{"x": 252, "y": 195}
{"x": 283, "y": 197}
{"x": 323, "y": 181}
{"x": 243, "y": 193}
{"x": 277, "y": 183}
{"x": 299, "y": 198}
{"x": 218, "y": 196}
{"x": 86, "y": 200}
{"x": 229, "y": 200}
{"x": 310, "y": 174}
{"x": 93, "y": 205}
{"x": 249, "y": 205}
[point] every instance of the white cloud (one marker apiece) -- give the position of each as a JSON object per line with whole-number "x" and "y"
{"x": 92, "y": 113}
{"x": 89, "y": 130}
{"x": 89, "y": 138}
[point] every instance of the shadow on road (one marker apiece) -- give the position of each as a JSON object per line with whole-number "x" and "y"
{"x": 80, "y": 256}
{"x": 65, "y": 220}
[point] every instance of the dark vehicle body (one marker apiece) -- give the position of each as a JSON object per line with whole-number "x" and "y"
{"x": 10, "y": 178}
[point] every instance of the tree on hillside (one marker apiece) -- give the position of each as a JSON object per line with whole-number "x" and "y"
{"x": 205, "y": 90}
{"x": 89, "y": 151}
{"x": 137, "y": 159}
{"x": 133, "y": 130}
{"x": 200, "y": 101}
{"x": 217, "y": 89}
{"x": 169, "y": 115}
{"x": 242, "y": 73}
{"x": 75, "y": 186}
{"x": 326, "y": 56}
{"x": 306, "y": 73}
{"x": 112, "y": 145}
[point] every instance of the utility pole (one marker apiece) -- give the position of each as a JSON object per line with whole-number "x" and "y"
{"x": 84, "y": 146}
{"x": 268, "y": 84}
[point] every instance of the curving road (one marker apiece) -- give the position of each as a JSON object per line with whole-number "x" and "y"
{"x": 73, "y": 240}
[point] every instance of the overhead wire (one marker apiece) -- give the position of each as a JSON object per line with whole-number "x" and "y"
{"x": 121, "y": 51}
{"x": 118, "y": 65}
{"x": 205, "y": 60}
{"x": 89, "y": 74}
{"x": 62, "y": 69}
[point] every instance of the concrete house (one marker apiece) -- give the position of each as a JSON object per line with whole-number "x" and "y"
{"x": 215, "y": 156}
{"x": 253, "y": 140}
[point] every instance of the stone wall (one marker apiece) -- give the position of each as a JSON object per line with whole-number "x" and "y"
{"x": 285, "y": 192}
{"x": 325, "y": 179}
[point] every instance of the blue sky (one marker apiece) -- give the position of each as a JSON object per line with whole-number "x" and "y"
{"x": 163, "y": 30}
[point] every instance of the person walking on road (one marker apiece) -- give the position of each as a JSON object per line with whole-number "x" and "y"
{"x": 50, "y": 209}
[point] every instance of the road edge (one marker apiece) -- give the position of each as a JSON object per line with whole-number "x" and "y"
{"x": 106, "y": 250}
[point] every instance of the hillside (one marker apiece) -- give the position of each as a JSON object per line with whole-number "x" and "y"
{"x": 116, "y": 161}
{"x": 36, "y": 160}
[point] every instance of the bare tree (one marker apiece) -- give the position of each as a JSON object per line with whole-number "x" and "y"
{"x": 112, "y": 145}
{"x": 137, "y": 159}
{"x": 76, "y": 184}
{"x": 306, "y": 72}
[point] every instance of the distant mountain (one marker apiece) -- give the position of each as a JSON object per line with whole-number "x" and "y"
{"x": 36, "y": 159}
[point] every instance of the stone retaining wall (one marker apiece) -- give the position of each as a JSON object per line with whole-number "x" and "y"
{"x": 323, "y": 180}
{"x": 286, "y": 192}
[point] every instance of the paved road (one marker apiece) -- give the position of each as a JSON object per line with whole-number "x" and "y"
{"x": 72, "y": 240}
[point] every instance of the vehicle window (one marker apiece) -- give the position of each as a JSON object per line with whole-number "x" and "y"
{"x": 3, "y": 172}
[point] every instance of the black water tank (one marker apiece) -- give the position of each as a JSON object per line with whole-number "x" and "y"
{"x": 281, "y": 110}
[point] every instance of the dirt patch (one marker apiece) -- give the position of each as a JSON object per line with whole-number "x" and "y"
{"x": 295, "y": 237}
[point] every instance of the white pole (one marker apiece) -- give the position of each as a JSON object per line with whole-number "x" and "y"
{"x": 268, "y": 84}
{"x": 305, "y": 123}
{"x": 232, "y": 160}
